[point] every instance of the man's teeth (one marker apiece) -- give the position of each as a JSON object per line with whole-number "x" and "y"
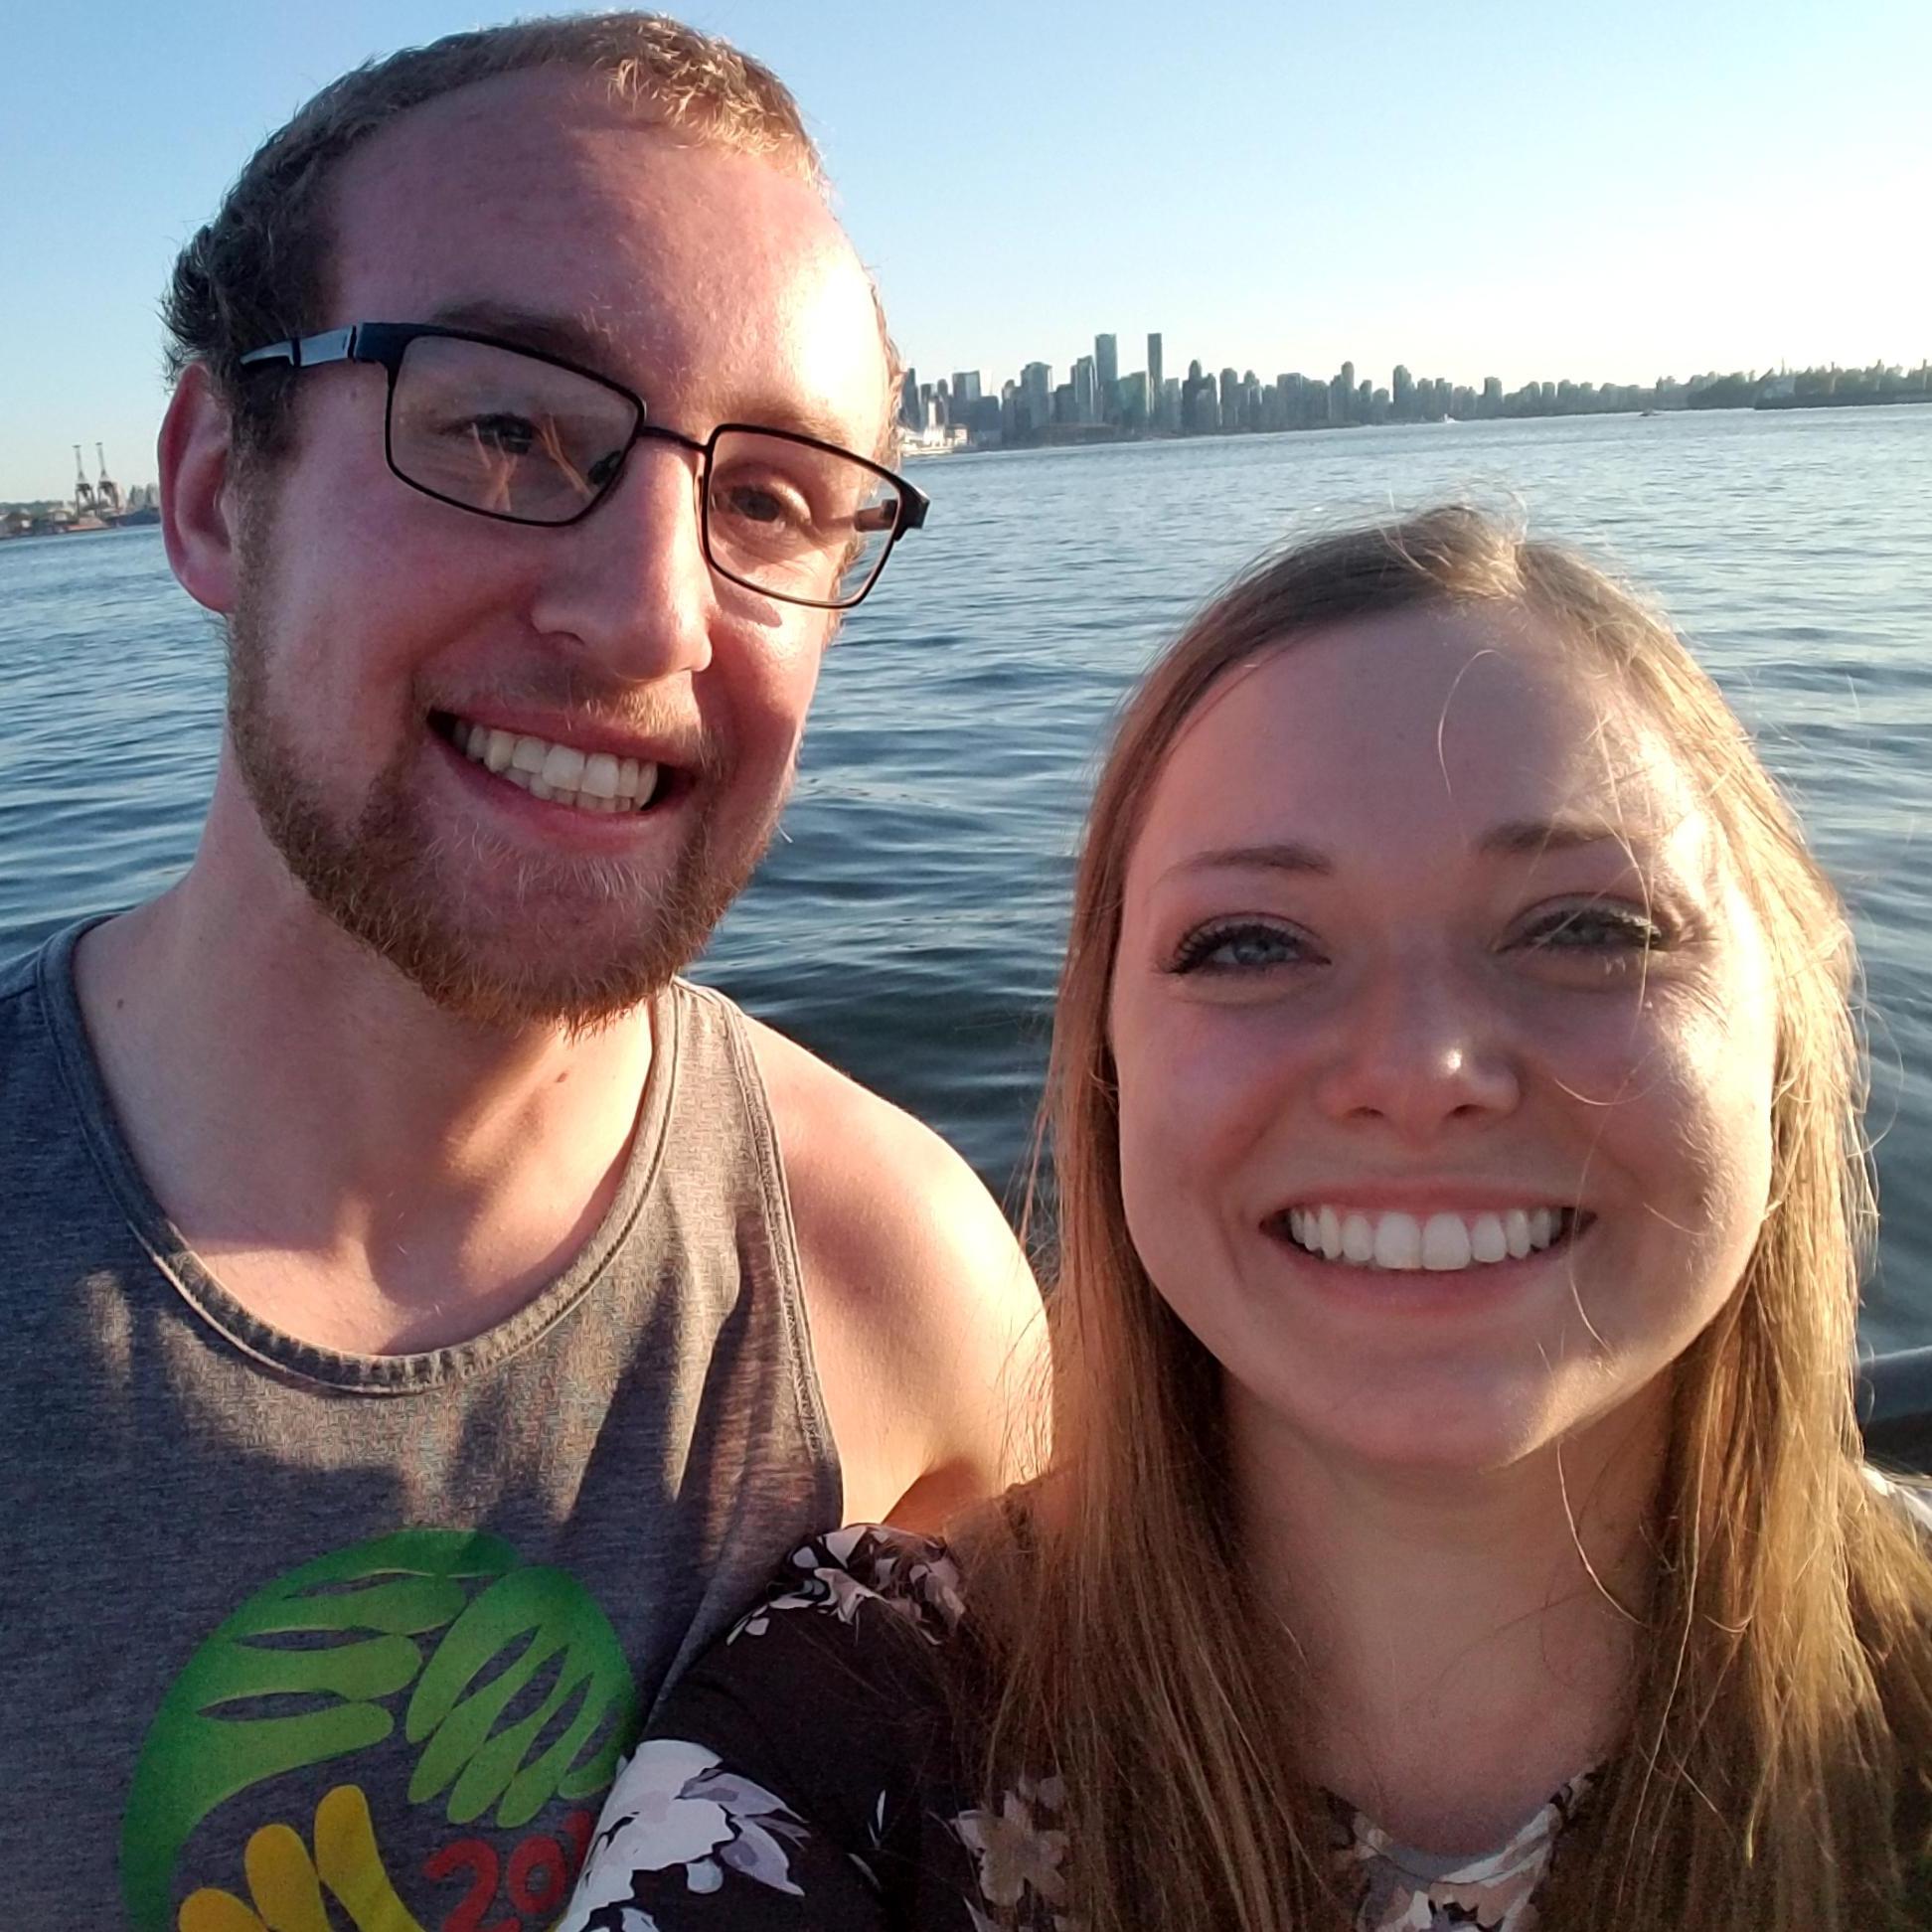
{"x": 1442, "y": 1242}
{"x": 592, "y": 782}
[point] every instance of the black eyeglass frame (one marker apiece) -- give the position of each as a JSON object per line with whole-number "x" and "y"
{"x": 384, "y": 344}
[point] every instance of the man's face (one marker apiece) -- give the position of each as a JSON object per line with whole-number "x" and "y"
{"x": 381, "y": 637}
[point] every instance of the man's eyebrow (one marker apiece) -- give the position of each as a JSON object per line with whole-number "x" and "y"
{"x": 585, "y": 343}
{"x": 570, "y": 337}
{"x": 801, "y": 418}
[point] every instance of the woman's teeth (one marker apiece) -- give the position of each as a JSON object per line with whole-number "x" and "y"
{"x": 1441, "y": 1243}
{"x": 592, "y": 782}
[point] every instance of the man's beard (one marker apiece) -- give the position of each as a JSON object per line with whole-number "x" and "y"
{"x": 388, "y": 882}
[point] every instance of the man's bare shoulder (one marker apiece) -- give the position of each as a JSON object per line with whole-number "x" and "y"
{"x": 869, "y": 1176}
{"x": 925, "y": 1316}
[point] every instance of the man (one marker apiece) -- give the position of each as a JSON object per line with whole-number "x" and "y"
{"x": 431, "y": 1318}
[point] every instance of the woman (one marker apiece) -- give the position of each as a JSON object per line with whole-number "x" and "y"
{"x": 1457, "y": 1516}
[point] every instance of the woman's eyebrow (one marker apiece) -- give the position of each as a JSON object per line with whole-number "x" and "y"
{"x": 1531, "y": 838}
{"x": 1277, "y": 855}
{"x": 1513, "y": 839}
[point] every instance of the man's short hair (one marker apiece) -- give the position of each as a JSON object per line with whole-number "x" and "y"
{"x": 260, "y": 269}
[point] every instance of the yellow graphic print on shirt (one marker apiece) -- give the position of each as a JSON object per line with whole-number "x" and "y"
{"x": 505, "y": 1679}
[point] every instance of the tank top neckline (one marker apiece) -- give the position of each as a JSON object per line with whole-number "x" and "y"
{"x": 273, "y": 1348}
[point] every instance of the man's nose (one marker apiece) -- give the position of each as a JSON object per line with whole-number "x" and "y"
{"x": 1420, "y": 1050}
{"x": 630, "y": 583}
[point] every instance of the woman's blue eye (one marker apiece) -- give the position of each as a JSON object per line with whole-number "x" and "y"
{"x": 1246, "y": 946}
{"x": 1594, "y": 928}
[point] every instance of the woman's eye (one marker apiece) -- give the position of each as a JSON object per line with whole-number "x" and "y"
{"x": 1249, "y": 946}
{"x": 1593, "y": 929}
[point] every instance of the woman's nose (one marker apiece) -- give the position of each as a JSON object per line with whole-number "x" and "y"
{"x": 1419, "y": 1050}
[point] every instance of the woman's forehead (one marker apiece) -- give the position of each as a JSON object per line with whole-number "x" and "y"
{"x": 1426, "y": 725}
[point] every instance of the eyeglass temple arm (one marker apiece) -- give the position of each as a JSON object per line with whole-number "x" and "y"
{"x": 304, "y": 351}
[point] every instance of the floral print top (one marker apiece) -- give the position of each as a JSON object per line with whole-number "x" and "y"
{"x": 800, "y": 1777}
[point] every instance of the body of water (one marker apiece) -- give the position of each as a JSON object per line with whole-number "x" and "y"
{"x": 908, "y": 924}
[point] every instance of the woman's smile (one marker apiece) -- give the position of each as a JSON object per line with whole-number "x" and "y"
{"x": 1432, "y": 1000}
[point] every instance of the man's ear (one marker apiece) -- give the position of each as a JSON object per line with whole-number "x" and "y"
{"x": 195, "y": 460}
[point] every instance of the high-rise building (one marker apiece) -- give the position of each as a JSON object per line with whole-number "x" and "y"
{"x": 1155, "y": 382}
{"x": 1193, "y": 416}
{"x": 1402, "y": 392}
{"x": 1086, "y": 393}
{"x": 1037, "y": 395}
{"x": 911, "y": 413}
{"x": 1231, "y": 399}
{"x": 1106, "y": 368}
{"x": 965, "y": 390}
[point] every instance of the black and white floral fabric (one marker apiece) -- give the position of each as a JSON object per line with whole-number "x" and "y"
{"x": 802, "y": 1776}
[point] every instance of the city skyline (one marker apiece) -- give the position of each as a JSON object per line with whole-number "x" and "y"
{"x": 1096, "y": 396}
{"x": 1032, "y": 407}
{"x": 1505, "y": 189}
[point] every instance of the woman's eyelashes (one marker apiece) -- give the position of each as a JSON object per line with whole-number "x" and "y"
{"x": 1242, "y": 945}
{"x": 1600, "y": 929}
{"x": 1604, "y": 931}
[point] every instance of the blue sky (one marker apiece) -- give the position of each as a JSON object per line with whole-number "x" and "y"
{"x": 1523, "y": 187}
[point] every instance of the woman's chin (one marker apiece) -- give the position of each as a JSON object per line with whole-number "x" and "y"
{"x": 1422, "y": 1421}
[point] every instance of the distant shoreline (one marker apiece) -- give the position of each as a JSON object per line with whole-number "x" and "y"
{"x": 1839, "y": 402}
{"x": 1070, "y": 435}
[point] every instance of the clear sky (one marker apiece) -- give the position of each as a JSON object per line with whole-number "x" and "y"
{"x": 1518, "y": 188}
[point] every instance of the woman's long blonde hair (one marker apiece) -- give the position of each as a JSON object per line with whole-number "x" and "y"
{"x": 1782, "y": 1725}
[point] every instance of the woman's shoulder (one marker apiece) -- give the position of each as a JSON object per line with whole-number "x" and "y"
{"x": 1911, "y": 1496}
{"x": 790, "y": 1775}
{"x": 869, "y": 1571}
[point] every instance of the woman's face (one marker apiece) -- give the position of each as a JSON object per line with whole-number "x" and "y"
{"x": 1444, "y": 1039}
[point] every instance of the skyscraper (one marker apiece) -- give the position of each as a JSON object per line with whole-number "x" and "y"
{"x": 1086, "y": 398}
{"x": 1156, "y": 386}
{"x": 1106, "y": 368}
{"x": 1036, "y": 395}
{"x": 912, "y": 415}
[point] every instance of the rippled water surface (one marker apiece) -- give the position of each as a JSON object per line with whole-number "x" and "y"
{"x": 908, "y": 924}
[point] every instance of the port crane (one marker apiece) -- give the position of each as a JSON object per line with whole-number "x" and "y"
{"x": 107, "y": 496}
{"x": 83, "y": 490}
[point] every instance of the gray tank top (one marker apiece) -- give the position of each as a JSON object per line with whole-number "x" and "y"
{"x": 295, "y": 1638}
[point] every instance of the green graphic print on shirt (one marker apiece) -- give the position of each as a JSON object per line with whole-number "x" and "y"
{"x": 505, "y": 1679}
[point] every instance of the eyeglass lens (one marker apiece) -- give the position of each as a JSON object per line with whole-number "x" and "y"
{"x": 510, "y": 436}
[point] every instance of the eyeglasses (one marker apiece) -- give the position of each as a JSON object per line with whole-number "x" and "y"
{"x": 528, "y": 439}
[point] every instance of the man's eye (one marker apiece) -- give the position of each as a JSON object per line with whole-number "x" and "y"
{"x": 504, "y": 435}
{"x": 1593, "y": 929}
{"x": 764, "y": 503}
{"x": 1242, "y": 946}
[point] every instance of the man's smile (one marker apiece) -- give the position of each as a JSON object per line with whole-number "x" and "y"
{"x": 579, "y": 775}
